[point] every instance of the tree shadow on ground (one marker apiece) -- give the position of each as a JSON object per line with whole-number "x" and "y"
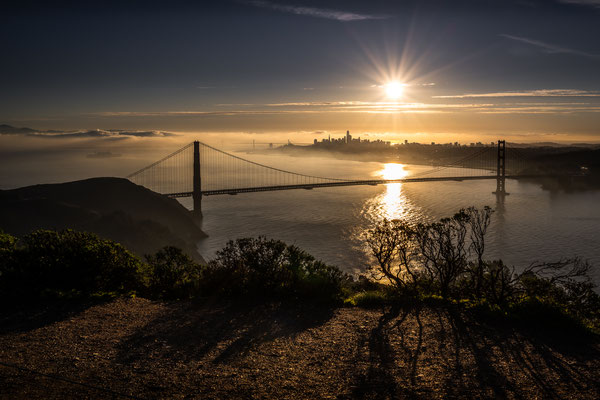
{"x": 551, "y": 362}
{"x": 19, "y": 317}
{"x": 425, "y": 352}
{"x": 379, "y": 382}
{"x": 187, "y": 331}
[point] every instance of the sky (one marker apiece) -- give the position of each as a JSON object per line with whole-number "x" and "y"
{"x": 524, "y": 70}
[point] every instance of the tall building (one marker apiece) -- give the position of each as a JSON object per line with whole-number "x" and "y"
{"x": 348, "y": 137}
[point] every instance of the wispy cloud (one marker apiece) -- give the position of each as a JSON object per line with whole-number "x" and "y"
{"x": 338, "y": 15}
{"x": 548, "y": 47}
{"x": 376, "y": 107}
{"x": 591, "y": 3}
{"x": 95, "y": 133}
{"x": 527, "y": 93}
{"x": 224, "y": 113}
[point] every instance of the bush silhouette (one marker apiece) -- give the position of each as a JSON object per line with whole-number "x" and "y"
{"x": 171, "y": 274}
{"x": 446, "y": 259}
{"x": 262, "y": 267}
{"x": 67, "y": 263}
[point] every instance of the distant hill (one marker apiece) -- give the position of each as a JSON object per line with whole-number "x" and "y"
{"x": 11, "y": 130}
{"x": 113, "y": 208}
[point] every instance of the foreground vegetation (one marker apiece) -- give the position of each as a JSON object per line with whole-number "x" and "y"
{"x": 444, "y": 262}
{"x": 441, "y": 263}
{"x": 68, "y": 264}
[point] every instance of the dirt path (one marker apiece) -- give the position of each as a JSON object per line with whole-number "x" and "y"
{"x": 144, "y": 349}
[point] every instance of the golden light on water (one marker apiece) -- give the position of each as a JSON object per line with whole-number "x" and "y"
{"x": 392, "y": 204}
{"x": 393, "y": 171}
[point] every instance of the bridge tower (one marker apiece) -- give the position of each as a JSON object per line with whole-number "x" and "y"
{"x": 501, "y": 170}
{"x": 197, "y": 189}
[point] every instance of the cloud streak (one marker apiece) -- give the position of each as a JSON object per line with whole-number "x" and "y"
{"x": 380, "y": 107}
{"x": 548, "y": 47}
{"x": 591, "y": 3}
{"x": 338, "y": 15}
{"x": 526, "y": 93}
{"x": 95, "y": 133}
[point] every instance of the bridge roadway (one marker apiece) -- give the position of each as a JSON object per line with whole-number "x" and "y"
{"x": 309, "y": 186}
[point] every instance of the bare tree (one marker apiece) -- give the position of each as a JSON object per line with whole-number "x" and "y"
{"x": 444, "y": 249}
{"x": 390, "y": 243}
{"x": 478, "y": 221}
{"x": 499, "y": 282}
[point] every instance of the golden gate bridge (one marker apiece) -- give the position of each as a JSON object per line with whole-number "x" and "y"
{"x": 198, "y": 170}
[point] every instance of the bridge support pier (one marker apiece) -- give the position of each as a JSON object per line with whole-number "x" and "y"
{"x": 197, "y": 185}
{"x": 501, "y": 171}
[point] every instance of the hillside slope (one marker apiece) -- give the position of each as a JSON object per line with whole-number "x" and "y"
{"x": 114, "y": 208}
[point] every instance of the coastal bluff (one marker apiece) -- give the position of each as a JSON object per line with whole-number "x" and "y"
{"x": 113, "y": 208}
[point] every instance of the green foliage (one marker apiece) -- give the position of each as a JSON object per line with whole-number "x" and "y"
{"x": 7, "y": 242}
{"x": 262, "y": 267}
{"x": 564, "y": 285}
{"x": 71, "y": 264}
{"x": 368, "y": 299}
{"x": 547, "y": 318}
{"x": 171, "y": 274}
{"x": 65, "y": 264}
{"x": 8, "y": 245}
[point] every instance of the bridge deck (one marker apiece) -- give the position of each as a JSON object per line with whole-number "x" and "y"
{"x": 372, "y": 182}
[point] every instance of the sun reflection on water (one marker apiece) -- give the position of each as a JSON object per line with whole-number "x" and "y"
{"x": 392, "y": 171}
{"x": 392, "y": 203}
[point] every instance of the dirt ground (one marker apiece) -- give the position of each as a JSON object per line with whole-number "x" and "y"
{"x": 136, "y": 348}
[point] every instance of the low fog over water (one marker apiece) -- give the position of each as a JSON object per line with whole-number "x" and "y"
{"x": 531, "y": 225}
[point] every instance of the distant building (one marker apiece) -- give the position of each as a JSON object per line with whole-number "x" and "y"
{"x": 348, "y": 137}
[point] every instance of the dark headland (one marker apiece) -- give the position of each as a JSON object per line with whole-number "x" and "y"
{"x": 113, "y": 208}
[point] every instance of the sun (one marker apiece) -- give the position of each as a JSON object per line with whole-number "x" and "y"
{"x": 394, "y": 90}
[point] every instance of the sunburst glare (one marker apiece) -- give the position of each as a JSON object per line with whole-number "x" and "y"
{"x": 394, "y": 90}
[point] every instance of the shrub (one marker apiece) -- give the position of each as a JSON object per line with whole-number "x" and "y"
{"x": 7, "y": 254}
{"x": 497, "y": 283}
{"x": 69, "y": 263}
{"x": 430, "y": 257}
{"x": 546, "y": 318}
{"x": 565, "y": 284}
{"x": 171, "y": 274}
{"x": 391, "y": 244}
{"x": 368, "y": 299}
{"x": 443, "y": 250}
{"x": 445, "y": 259}
{"x": 262, "y": 267}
